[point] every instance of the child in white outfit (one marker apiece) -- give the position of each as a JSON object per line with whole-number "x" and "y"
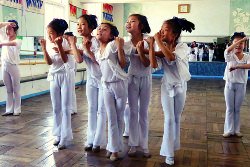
{"x": 140, "y": 83}
{"x": 60, "y": 73}
{"x": 236, "y": 75}
{"x": 10, "y": 71}
{"x": 96, "y": 131}
{"x": 174, "y": 60}
{"x": 111, "y": 59}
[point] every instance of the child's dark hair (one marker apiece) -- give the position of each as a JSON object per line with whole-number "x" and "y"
{"x": 91, "y": 19}
{"x": 69, "y": 33}
{"x": 237, "y": 34}
{"x": 211, "y": 46}
{"x": 59, "y": 25}
{"x": 144, "y": 22}
{"x": 180, "y": 24}
{"x": 114, "y": 31}
{"x": 15, "y": 28}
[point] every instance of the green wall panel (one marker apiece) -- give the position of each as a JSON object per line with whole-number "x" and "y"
{"x": 31, "y": 24}
{"x": 130, "y": 9}
{"x": 240, "y": 16}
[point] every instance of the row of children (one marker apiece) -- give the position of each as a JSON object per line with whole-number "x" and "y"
{"x": 109, "y": 86}
{"x": 201, "y": 52}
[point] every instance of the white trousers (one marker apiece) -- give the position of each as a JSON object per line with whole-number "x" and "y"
{"x": 210, "y": 57}
{"x": 172, "y": 108}
{"x": 61, "y": 94}
{"x": 115, "y": 96}
{"x": 96, "y": 133}
{"x": 11, "y": 80}
{"x": 139, "y": 92}
{"x": 74, "y": 104}
{"x": 200, "y": 57}
{"x": 126, "y": 120}
{"x": 234, "y": 96}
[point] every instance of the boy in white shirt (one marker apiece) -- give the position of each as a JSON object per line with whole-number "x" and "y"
{"x": 10, "y": 59}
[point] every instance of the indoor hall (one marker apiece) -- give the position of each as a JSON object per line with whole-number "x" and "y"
{"x": 71, "y": 107}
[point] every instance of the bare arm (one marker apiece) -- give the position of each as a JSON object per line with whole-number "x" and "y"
{"x": 121, "y": 55}
{"x": 140, "y": 48}
{"x": 74, "y": 50}
{"x": 70, "y": 51}
{"x": 157, "y": 53}
{"x": 3, "y": 24}
{"x": 76, "y": 54}
{"x": 242, "y": 66}
{"x": 58, "y": 42}
{"x": 10, "y": 43}
{"x": 231, "y": 47}
{"x": 152, "y": 57}
{"x": 45, "y": 53}
{"x": 166, "y": 50}
{"x": 87, "y": 45}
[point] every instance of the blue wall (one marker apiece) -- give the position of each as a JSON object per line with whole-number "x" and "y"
{"x": 211, "y": 70}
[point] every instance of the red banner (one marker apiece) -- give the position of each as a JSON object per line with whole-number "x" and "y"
{"x": 72, "y": 10}
{"x": 107, "y": 8}
{"x": 84, "y": 11}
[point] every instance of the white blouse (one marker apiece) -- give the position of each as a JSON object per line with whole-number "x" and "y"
{"x": 176, "y": 72}
{"x": 136, "y": 67}
{"x": 10, "y": 54}
{"x": 57, "y": 63}
{"x": 109, "y": 64}
{"x": 93, "y": 69}
{"x": 238, "y": 75}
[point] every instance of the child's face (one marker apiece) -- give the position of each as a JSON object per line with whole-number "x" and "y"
{"x": 240, "y": 47}
{"x": 167, "y": 33}
{"x": 10, "y": 31}
{"x": 104, "y": 33}
{"x": 83, "y": 27}
{"x": 52, "y": 35}
{"x": 132, "y": 24}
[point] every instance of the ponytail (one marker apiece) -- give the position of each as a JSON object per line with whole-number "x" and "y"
{"x": 91, "y": 20}
{"x": 180, "y": 24}
{"x": 144, "y": 22}
{"x": 58, "y": 25}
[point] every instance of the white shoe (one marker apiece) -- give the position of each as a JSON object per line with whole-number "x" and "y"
{"x": 146, "y": 153}
{"x": 88, "y": 147}
{"x": 56, "y": 142}
{"x": 169, "y": 160}
{"x": 226, "y": 134}
{"x": 239, "y": 134}
{"x": 132, "y": 151}
{"x": 61, "y": 147}
{"x": 125, "y": 134}
{"x": 113, "y": 157}
{"x": 16, "y": 114}
{"x": 7, "y": 114}
{"x": 108, "y": 154}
